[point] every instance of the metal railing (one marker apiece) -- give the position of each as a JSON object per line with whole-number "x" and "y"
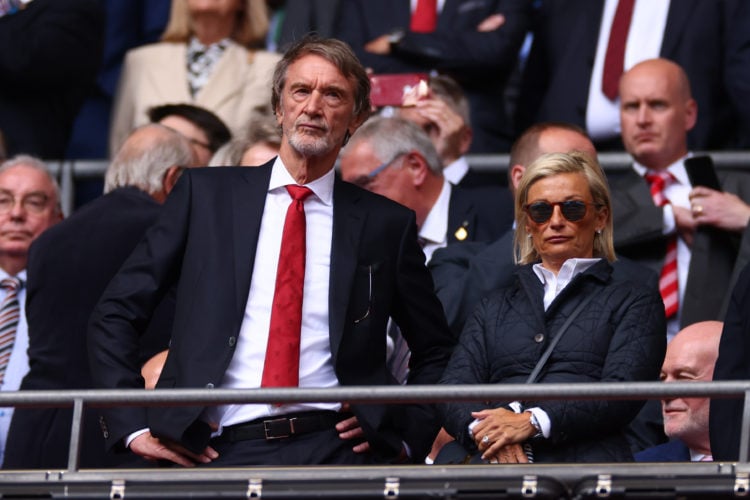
{"x": 68, "y": 171}
{"x": 95, "y": 483}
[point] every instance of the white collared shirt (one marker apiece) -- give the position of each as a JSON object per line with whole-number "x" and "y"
{"x": 554, "y": 284}
{"x": 434, "y": 230}
{"x": 678, "y": 195}
{"x": 316, "y": 368}
{"x": 440, "y": 5}
{"x": 18, "y": 364}
{"x": 644, "y": 42}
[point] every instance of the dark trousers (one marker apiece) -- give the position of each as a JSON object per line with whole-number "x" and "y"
{"x": 315, "y": 448}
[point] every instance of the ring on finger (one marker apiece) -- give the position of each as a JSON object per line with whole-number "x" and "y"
{"x": 698, "y": 209}
{"x": 485, "y": 440}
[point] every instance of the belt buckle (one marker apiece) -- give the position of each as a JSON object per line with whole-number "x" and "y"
{"x": 271, "y": 427}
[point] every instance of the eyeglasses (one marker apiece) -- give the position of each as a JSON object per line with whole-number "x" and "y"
{"x": 573, "y": 210}
{"x": 35, "y": 203}
{"x": 365, "y": 180}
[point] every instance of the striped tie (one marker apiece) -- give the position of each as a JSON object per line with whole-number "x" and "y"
{"x": 10, "y": 311}
{"x": 668, "y": 286}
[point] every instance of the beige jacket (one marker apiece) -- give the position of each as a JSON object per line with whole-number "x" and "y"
{"x": 157, "y": 74}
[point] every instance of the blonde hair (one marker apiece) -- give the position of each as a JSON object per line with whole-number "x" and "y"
{"x": 563, "y": 163}
{"x": 250, "y": 28}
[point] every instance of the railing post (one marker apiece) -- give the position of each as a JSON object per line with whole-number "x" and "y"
{"x": 745, "y": 432}
{"x": 74, "y": 453}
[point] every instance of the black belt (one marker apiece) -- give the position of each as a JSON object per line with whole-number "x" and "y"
{"x": 281, "y": 427}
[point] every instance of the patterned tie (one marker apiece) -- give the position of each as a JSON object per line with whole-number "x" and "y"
{"x": 424, "y": 17}
{"x": 614, "y": 60}
{"x": 668, "y": 277}
{"x": 398, "y": 359}
{"x": 10, "y": 311}
{"x": 281, "y": 368}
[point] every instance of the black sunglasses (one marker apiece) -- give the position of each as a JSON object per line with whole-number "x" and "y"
{"x": 573, "y": 210}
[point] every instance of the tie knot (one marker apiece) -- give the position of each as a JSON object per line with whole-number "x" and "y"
{"x": 298, "y": 193}
{"x": 12, "y": 283}
{"x": 661, "y": 178}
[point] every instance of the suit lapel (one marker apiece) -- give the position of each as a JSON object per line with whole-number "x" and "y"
{"x": 227, "y": 78}
{"x": 248, "y": 203}
{"x": 461, "y": 217}
{"x": 348, "y": 222}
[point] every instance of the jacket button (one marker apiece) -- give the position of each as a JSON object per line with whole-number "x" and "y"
{"x": 232, "y": 341}
{"x": 209, "y": 385}
{"x": 538, "y": 338}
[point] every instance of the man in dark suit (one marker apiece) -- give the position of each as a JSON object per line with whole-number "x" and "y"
{"x": 68, "y": 271}
{"x": 710, "y": 39}
{"x": 220, "y": 239}
{"x": 393, "y": 157}
{"x": 656, "y": 113}
{"x": 475, "y": 42}
{"x": 56, "y": 48}
{"x": 725, "y": 419}
{"x": 690, "y": 356}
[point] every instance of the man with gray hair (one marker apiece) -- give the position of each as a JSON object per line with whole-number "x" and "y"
{"x": 29, "y": 204}
{"x": 393, "y": 157}
{"x": 87, "y": 250}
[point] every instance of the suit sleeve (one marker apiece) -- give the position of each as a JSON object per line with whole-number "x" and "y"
{"x": 737, "y": 64}
{"x": 420, "y": 317}
{"x": 127, "y": 305}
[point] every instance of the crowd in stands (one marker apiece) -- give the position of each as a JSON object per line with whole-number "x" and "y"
{"x": 361, "y": 248}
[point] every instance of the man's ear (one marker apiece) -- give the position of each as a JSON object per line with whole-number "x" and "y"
{"x": 466, "y": 137}
{"x": 170, "y": 178}
{"x": 516, "y": 172}
{"x": 417, "y": 166}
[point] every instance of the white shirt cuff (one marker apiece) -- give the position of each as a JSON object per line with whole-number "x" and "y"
{"x": 130, "y": 437}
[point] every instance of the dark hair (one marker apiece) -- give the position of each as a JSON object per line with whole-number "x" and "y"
{"x": 215, "y": 129}
{"x": 337, "y": 53}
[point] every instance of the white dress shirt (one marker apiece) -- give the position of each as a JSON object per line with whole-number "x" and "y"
{"x": 316, "y": 367}
{"x": 434, "y": 230}
{"x": 678, "y": 195}
{"x": 18, "y": 364}
{"x": 643, "y": 42}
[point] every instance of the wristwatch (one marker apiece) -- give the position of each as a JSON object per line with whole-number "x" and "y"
{"x": 535, "y": 422}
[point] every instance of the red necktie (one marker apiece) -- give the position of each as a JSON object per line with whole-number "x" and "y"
{"x": 424, "y": 17}
{"x": 668, "y": 278}
{"x": 614, "y": 61}
{"x": 10, "y": 311}
{"x": 281, "y": 367}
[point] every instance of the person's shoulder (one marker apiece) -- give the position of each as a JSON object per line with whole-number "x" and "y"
{"x": 380, "y": 204}
{"x": 154, "y": 50}
{"x": 671, "y": 451}
{"x": 263, "y": 57}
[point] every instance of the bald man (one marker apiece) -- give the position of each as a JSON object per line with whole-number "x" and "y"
{"x": 690, "y": 356}
{"x": 657, "y": 111}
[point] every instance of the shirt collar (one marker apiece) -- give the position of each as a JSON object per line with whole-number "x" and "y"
{"x": 21, "y": 275}
{"x": 677, "y": 169}
{"x": 321, "y": 187}
{"x": 456, "y": 170}
{"x": 569, "y": 270}
{"x": 435, "y": 226}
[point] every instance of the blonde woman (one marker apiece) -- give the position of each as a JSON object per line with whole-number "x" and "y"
{"x": 210, "y": 56}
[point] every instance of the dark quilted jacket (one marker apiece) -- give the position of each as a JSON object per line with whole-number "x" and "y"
{"x": 618, "y": 337}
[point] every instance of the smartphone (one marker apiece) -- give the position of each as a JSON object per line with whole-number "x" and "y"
{"x": 701, "y": 172}
{"x": 389, "y": 89}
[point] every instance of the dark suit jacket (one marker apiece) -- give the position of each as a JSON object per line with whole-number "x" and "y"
{"x": 479, "y": 214}
{"x": 55, "y": 53}
{"x": 638, "y": 236}
{"x": 725, "y": 419}
{"x": 710, "y": 39}
{"x": 480, "y": 62}
{"x": 207, "y": 237}
{"x": 672, "y": 451}
{"x": 69, "y": 267}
